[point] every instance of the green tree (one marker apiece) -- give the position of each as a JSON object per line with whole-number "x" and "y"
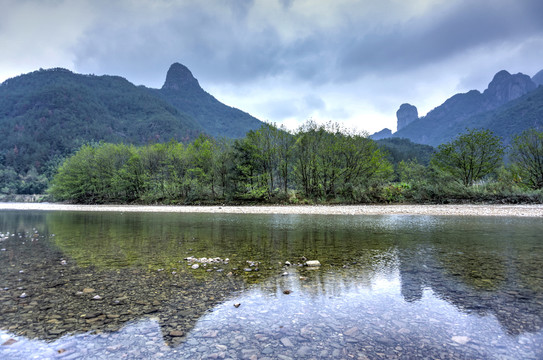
{"x": 74, "y": 179}
{"x": 470, "y": 156}
{"x": 200, "y": 173}
{"x": 223, "y": 163}
{"x": 527, "y": 157}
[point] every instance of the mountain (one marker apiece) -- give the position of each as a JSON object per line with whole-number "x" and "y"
{"x": 383, "y": 134}
{"x": 48, "y": 114}
{"x": 538, "y": 78}
{"x": 476, "y": 110}
{"x": 404, "y": 150}
{"x": 183, "y": 91}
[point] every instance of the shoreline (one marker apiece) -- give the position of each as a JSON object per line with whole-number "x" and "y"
{"x": 437, "y": 210}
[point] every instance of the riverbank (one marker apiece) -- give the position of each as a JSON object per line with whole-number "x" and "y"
{"x": 452, "y": 210}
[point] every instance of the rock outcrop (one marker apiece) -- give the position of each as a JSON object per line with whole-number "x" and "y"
{"x": 179, "y": 77}
{"x": 406, "y": 114}
{"x": 182, "y": 90}
{"x": 505, "y": 87}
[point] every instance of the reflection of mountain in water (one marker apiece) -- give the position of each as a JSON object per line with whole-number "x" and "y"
{"x": 477, "y": 280}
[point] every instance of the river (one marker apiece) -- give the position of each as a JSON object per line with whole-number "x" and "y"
{"x": 87, "y": 285}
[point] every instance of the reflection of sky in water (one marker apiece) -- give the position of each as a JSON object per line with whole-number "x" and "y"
{"x": 356, "y": 312}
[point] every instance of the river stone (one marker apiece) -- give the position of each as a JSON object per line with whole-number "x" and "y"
{"x": 303, "y": 351}
{"x": 9, "y": 342}
{"x": 176, "y": 333}
{"x": 313, "y": 263}
{"x": 460, "y": 339}
{"x": 286, "y": 342}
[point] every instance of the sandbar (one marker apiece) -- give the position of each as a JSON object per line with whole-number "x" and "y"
{"x": 401, "y": 209}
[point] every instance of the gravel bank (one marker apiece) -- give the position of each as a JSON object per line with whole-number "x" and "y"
{"x": 458, "y": 210}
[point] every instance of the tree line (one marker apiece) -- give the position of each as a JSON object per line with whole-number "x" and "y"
{"x": 315, "y": 164}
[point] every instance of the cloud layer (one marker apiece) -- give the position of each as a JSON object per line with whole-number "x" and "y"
{"x": 285, "y": 60}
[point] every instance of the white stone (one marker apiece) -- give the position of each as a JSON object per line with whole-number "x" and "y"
{"x": 460, "y": 339}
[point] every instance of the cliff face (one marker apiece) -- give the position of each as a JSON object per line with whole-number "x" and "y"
{"x": 179, "y": 77}
{"x": 505, "y": 87}
{"x": 406, "y": 114}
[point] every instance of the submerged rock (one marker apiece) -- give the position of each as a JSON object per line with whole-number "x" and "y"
{"x": 313, "y": 263}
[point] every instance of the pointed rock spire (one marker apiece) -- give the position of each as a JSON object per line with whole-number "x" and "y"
{"x": 406, "y": 114}
{"x": 179, "y": 77}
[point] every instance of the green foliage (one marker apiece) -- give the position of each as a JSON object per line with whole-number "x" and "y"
{"x": 527, "y": 158}
{"x": 267, "y": 165}
{"x": 331, "y": 162}
{"x": 471, "y": 156}
{"x": 317, "y": 164}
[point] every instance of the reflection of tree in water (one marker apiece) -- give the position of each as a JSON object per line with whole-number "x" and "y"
{"x": 58, "y": 299}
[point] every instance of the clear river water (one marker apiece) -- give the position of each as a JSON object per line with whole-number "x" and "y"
{"x": 93, "y": 285}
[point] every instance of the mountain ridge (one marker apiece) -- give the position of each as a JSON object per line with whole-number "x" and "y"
{"x": 182, "y": 90}
{"x": 46, "y": 115}
{"x": 467, "y": 110}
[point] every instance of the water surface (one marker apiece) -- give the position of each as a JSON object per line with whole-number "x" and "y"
{"x": 118, "y": 285}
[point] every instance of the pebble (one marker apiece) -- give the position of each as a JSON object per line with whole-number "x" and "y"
{"x": 286, "y": 342}
{"x": 462, "y": 340}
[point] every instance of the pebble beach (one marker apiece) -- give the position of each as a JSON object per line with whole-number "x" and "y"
{"x": 441, "y": 210}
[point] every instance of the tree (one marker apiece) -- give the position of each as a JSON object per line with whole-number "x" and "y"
{"x": 527, "y": 157}
{"x": 75, "y": 178}
{"x": 329, "y": 161}
{"x": 470, "y": 156}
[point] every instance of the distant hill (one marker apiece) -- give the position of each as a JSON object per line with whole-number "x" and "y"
{"x": 48, "y": 114}
{"x": 404, "y": 150}
{"x": 183, "y": 91}
{"x": 510, "y": 105}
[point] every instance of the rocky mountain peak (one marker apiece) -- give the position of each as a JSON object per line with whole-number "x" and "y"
{"x": 505, "y": 87}
{"x": 406, "y": 114}
{"x": 179, "y": 77}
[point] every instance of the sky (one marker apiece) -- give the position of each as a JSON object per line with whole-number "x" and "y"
{"x": 285, "y": 61}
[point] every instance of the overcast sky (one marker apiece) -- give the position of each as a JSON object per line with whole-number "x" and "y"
{"x": 285, "y": 61}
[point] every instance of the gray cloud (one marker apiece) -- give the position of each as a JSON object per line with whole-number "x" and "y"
{"x": 385, "y": 52}
{"x": 228, "y": 49}
{"x": 452, "y": 31}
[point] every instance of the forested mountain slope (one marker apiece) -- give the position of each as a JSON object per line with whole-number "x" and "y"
{"x": 183, "y": 91}
{"x": 48, "y": 114}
